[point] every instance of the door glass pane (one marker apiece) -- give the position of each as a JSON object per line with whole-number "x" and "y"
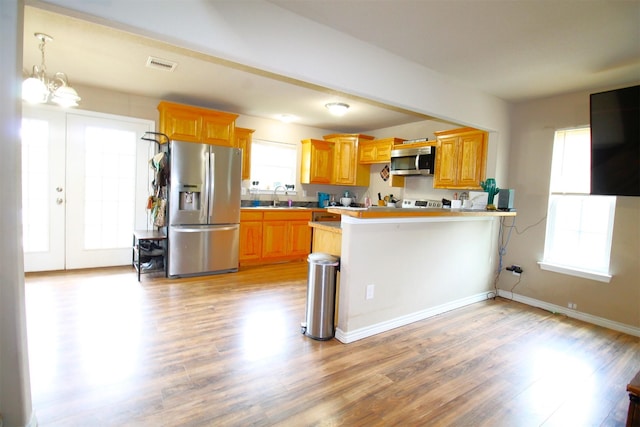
{"x": 110, "y": 181}
{"x": 35, "y": 182}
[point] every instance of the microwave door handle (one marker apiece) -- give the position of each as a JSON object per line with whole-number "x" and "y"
{"x": 417, "y": 162}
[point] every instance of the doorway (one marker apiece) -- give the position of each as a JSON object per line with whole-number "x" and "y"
{"x": 85, "y": 181}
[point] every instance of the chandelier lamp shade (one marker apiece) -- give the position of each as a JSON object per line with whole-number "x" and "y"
{"x": 39, "y": 88}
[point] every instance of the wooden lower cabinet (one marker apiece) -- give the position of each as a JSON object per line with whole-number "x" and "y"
{"x": 278, "y": 235}
{"x": 250, "y": 236}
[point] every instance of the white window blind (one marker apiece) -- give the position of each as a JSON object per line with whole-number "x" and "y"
{"x": 579, "y": 226}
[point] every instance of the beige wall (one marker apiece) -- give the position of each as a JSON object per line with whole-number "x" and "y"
{"x": 533, "y": 127}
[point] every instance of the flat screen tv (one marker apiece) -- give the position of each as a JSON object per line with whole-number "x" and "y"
{"x": 615, "y": 142}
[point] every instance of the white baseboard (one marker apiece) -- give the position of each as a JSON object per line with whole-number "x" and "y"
{"x": 377, "y": 328}
{"x": 388, "y": 325}
{"x": 589, "y": 318}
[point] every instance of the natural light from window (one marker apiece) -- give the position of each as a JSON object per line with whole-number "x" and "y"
{"x": 579, "y": 226}
{"x": 109, "y": 187}
{"x": 273, "y": 164}
{"x": 35, "y": 185}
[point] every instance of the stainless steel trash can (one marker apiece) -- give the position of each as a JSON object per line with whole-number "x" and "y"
{"x": 321, "y": 296}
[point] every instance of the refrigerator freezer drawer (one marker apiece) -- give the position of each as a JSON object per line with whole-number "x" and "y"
{"x": 207, "y": 249}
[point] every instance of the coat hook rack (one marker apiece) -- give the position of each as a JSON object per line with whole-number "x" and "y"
{"x": 157, "y": 137}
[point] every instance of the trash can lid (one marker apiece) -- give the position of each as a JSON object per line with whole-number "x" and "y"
{"x": 322, "y": 258}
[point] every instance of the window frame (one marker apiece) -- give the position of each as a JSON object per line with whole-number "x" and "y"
{"x": 264, "y": 187}
{"x": 557, "y": 263}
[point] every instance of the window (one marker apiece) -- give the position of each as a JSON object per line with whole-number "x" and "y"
{"x": 273, "y": 164}
{"x": 579, "y": 226}
{"x": 109, "y": 190}
{"x": 35, "y": 185}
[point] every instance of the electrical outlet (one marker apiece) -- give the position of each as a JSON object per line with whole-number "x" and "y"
{"x": 572, "y": 306}
{"x": 370, "y": 291}
{"x": 516, "y": 270}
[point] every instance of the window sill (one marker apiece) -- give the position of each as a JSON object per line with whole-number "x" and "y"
{"x": 574, "y": 271}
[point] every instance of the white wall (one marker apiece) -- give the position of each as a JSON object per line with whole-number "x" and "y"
{"x": 415, "y": 268}
{"x": 533, "y": 127}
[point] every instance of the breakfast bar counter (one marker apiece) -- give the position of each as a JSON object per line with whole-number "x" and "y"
{"x": 384, "y": 212}
{"x": 403, "y": 265}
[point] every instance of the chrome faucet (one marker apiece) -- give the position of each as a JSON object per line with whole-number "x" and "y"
{"x": 275, "y": 195}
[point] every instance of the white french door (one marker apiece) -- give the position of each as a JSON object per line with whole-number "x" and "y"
{"x": 85, "y": 184}
{"x": 43, "y": 189}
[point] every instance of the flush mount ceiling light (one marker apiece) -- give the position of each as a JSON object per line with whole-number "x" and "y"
{"x": 40, "y": 88}
{"x": 337, "y": 108}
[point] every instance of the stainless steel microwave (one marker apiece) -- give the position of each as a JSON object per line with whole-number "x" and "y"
{"x": 413, "y": 161}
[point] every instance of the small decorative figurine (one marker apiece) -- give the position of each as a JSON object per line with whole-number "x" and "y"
{"x": 490, "y": 187}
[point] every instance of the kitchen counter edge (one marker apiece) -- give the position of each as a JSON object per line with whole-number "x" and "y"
{"x": 418, "y": 212}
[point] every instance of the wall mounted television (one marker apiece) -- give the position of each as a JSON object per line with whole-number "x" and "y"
{"x": 615, "y": 142}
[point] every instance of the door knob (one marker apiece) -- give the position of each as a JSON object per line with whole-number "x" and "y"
{"x": 59, "y": 201}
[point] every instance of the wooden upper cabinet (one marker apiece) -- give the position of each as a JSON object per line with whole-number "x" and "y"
{"x": 218, "y": 128}
{"x": 180, "y": 123}
{"x": 316, "y": 166}
{"x": 461, "y": 159}
{"x": 243, "y": 141}
{"x": 377, "y": 150}
{"x": 347, "y": 170}
{"x": 193, "y": 124}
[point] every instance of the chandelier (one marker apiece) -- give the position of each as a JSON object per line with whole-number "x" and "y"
{"x": 40, "y": 88}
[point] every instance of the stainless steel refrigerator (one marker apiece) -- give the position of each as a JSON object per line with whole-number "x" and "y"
{"x": 204, "y": 209}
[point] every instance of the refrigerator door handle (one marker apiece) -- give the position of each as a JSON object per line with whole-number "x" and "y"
{"x": 206, "y": 208}
{"x": 212, "y": 185}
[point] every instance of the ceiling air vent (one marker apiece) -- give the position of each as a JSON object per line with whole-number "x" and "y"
{"x": 161, "y": 64}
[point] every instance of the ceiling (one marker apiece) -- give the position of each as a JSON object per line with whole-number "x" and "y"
{"x": 515, "y": 50}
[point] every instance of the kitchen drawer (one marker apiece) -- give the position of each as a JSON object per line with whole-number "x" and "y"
{"x": 250, "y": 216}
{"x": 287, "y": 216}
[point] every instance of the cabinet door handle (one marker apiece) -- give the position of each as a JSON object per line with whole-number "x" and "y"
{"x": 59, "y": 189}
{"x": 59, "y": 201}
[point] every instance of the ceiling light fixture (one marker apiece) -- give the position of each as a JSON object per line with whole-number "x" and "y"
{"x": 40, "y": 88}
{"x": 286, "y": 118}
{"x": 337, "y": 108}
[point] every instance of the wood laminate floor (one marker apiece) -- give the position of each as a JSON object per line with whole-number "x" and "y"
{"x": 227, "y": 350}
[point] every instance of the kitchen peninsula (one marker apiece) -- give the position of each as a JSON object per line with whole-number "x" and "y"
{"x": 398, "y": 266}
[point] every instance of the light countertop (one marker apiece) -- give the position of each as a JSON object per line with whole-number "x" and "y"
{"x": 384, "y": 212}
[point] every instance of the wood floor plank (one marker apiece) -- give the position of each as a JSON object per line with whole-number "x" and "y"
{"x": 226, "y": 350}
